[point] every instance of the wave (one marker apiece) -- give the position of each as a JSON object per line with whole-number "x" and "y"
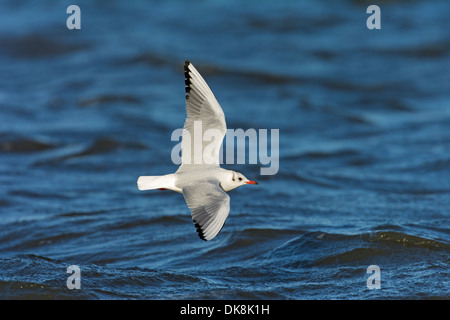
{"x": 424, "y": 51}
{"x": 351, "y": 256}
{"x": 29, "y": 276}
{"x": 97, "y": 147}
{"x": 434, "y": 165}
{"x": 38, "y": 46}
{"x": 384, "y": 184}
{"x": 322, "y": 154}
{"x": 303, "y": 178}
{"x": 169, "y": 220}
{"x": 22, "y": 145}
{"x": 108, "y": 99}
{"x": 314, "y": 249}
{"x": 394, "y": 238}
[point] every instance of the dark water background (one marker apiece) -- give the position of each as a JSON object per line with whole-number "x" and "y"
{"x": 364, "y": 120}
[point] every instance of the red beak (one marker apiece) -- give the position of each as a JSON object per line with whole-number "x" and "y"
{"x": 251, "y": 182}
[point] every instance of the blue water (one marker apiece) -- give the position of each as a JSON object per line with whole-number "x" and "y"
{"x": 364, "y": 122}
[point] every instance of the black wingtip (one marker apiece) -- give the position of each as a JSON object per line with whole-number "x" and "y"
{"x": 187, "y": 78}
{"x": 199, "y": 230}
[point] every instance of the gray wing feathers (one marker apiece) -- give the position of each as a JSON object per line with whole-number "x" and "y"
{"x": 209, "y": 206}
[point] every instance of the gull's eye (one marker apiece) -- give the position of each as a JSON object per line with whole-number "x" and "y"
{"x": 240, "y": 179}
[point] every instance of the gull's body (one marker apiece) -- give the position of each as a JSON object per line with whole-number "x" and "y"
{"x": 203, "y": 183}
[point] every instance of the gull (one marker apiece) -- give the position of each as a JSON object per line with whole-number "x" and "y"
{"x": 204, "y": 184}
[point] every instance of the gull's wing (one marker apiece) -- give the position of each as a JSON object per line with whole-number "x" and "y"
{"x": 203, "y": 113}
{"x": 209, "y": 206}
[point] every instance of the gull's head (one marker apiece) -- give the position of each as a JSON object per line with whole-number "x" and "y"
{"x": 234, "y": 180}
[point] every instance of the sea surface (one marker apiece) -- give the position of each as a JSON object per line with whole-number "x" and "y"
{"x": 364, "y": 149}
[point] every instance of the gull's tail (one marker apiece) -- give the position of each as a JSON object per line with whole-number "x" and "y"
{"x": 157, "y": 182}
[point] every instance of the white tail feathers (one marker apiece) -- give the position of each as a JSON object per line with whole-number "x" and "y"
{"x": 157, "y": 182}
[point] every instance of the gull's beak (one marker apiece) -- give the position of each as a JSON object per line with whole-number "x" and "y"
{"x": 251, "y": 182}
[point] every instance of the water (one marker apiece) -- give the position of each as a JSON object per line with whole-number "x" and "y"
{"x": 364, "y": 118}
